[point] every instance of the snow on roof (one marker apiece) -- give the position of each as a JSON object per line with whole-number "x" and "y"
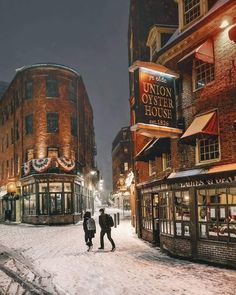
{"x": 47, "y": 65}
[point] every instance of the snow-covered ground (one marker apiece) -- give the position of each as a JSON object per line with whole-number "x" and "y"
{"x": 59, "y": 252}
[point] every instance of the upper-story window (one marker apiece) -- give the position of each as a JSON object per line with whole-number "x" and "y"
{"x": 208, "y": 149}
{"x": 52, "y": 122}
{"x": 29, "y": 90}
{"x": 158, "y": 37}
{"x": 152, "y": 167}
{"x": 191, "y": 10}
{"x": 53, "y": 152}
{"x": 29, "y": 154}
{"x": 204, "y": 73}
{"x": 52, "y": 88}
{"x": 72, "y": 91}
{"x": 166, "y": 160}
{"x": 126, "y": 166}
{"x": 74, "y": 129}
{"x": 29, "y": 124}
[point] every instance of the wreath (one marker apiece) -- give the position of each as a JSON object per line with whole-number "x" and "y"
{"x": 26, "y": 168}
{"x": 66, "y": 164}
{"x": 41, "y": 165}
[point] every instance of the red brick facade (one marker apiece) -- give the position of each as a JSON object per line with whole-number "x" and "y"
{"x": 70, "y": 104}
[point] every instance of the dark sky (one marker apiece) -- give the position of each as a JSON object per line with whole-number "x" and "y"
{"x": 88, "y": 35}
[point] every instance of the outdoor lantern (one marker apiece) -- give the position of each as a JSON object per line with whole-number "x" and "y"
{"x": 232, "y": 33}
{"x": 11, "y": 188}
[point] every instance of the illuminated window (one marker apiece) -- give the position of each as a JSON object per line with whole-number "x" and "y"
{"x": 29, "y": 154}
{"x": 125, "y": 150}
{"x": 28, "y": 90}
{"x": 152, "y": 167}
{"x": 204, "y": 73}
{"x": 208, "y": 149}
{"x": 29, "y": 124}
{"x": 52, "y": 122}
{"x": 53, "y": 152}
{"x": 51, "y": 88}
{"x": 126, "y": 166}
{"x": 192, "y": 10}
{"x": 166, "y": 159}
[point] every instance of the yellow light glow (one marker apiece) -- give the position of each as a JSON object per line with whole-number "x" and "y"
{"x": 225, "y": 23}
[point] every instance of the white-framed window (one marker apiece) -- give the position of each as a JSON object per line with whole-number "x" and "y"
{"x": 166, "y": 161}
{"x": 125, "y": 150}
{"x": 192, "y": 10}
{"x": 203, "y": 73}
{"x": 126, "y": 166}
{"x": 152, "y": 167}
{"x": 208, "y": 150}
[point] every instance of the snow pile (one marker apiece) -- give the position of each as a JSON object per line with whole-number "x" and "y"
{"x": 134, "y": 268}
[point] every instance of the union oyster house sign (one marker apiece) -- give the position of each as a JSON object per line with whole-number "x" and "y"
{"x": 154, "y": 98}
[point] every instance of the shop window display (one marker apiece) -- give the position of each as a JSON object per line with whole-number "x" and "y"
{"x": 217, "y": 214}
{"x": 182, "y": 213}
{"x": 147, "y": 212}
{"x": 166, "y": 213}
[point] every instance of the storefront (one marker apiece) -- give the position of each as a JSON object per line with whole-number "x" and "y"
{"x": 193, "y": 214}
{"x": 54, "y": 199}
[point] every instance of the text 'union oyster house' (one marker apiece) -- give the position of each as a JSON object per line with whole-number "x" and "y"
{"x": 47, "y": 146}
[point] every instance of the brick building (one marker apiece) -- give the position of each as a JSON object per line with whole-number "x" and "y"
{"x": 121, "y": 167}
{"x": 47, "y": 146}
{"x": 186, "y": 188}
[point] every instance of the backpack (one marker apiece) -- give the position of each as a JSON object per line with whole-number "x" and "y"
{"x": 110, "y": 221}
{"x": 91, "y": 224}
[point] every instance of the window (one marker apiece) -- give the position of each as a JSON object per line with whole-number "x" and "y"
{"x": 166, "y": 213}
{"x": 126, "y": 166}
{"x": 29, "y": 200}
{"x": 29, "y": 124}
{"x": 52, "y": 122}
{"x": 74, "y": 129}
{"x": 208, "y": 149}
{"x": 29, "y": 90}
{"x": 146, "y": 207}
{"x": 125, "y": 150}
{"x": 166, "y": 159}
{"x": 204, "y": 73}
{"x": 152, "y": 167}
{"x": 51, "y": 88}
{"x": 53, "y": 152}
{"x": 17, "y": 164}
{"x": 29, "y": 154}
{"x": 182, "y": 213}
{"x": 192, "y": 10}
{"x": 217, "y": 214}
{"x": 72, "y": 91}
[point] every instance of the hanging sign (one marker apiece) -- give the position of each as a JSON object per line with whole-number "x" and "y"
{"x": 154, "y": 98}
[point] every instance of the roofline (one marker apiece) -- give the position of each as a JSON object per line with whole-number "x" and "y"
{"x": 202, "y": 21}
{"x": 54, "y": 65}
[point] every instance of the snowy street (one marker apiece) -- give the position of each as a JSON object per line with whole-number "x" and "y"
{"x": 56, "y": 259}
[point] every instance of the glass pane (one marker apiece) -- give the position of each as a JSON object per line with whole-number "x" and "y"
{"x": 33, "y": 204}
{"x": 203, "y": 230}
{"x": 43, "y": 187}
{"x": 55, "y": 187}
{"x": 202, "y": 213}
{"x": 186, "y": 230}
{"x": 232, "y": 196}
{"x": 67, "y": 187}
{"x": 178, "y": 229}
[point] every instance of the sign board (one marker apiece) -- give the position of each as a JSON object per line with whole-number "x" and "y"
{"x": 154, "y": 98}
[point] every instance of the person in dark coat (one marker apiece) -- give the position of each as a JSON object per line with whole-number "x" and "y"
{"x": 105, "y": 229}
{"x": 89, "y": 229}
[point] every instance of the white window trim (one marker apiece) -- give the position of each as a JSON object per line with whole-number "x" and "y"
{"x": 164, "y": 162}
{"x": 203, "y": 10}
{"x": 197, "y": 154}
{"x": 151, "y": 171}
{"x": 194, "y": 77}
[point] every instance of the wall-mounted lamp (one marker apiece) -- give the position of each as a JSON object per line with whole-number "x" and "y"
{"x": 226, "y": 21}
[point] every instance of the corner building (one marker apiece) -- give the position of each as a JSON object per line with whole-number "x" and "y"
{"x": 186, "y": 197}
{"x": 47, "y": 146}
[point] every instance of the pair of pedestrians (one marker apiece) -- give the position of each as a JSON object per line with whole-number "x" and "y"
{"x": 105, "y": 222}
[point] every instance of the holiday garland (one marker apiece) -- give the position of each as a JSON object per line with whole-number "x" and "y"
{"x": 66, "y": 164}
{"x": 41, "y": 165}
{"x": 26, "y": 168}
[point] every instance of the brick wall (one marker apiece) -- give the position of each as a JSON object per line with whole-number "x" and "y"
{"x": 176, "y": 246}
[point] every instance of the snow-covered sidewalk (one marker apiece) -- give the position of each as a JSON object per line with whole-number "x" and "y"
{"x": 134, "y": 268}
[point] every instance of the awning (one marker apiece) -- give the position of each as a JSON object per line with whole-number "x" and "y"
{"x": 204, "y": 125}
{"x": 204, "y": 52}
{"x": 151, "y": 130}
{"x": 154, "y": 148}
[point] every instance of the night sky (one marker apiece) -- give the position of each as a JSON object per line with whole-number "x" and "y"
{"x": 87, "y": 35}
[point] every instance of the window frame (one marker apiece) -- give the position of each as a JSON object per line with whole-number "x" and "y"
{"x": 198, "y": 154}
{"x": 29, "y": 90}
{"x": 52, "y": 87}
{"x": 206, "y": 67}
{"x": 50, "y": 129}
{"x": 29, "y": 128}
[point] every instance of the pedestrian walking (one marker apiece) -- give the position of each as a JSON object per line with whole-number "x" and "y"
{"x": 106, "y": 222}
{"x": 89, "y": 229}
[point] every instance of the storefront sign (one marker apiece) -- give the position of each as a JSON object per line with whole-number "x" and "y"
{"x": 154, "y": 98}
{"x": 195, "y": 183}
